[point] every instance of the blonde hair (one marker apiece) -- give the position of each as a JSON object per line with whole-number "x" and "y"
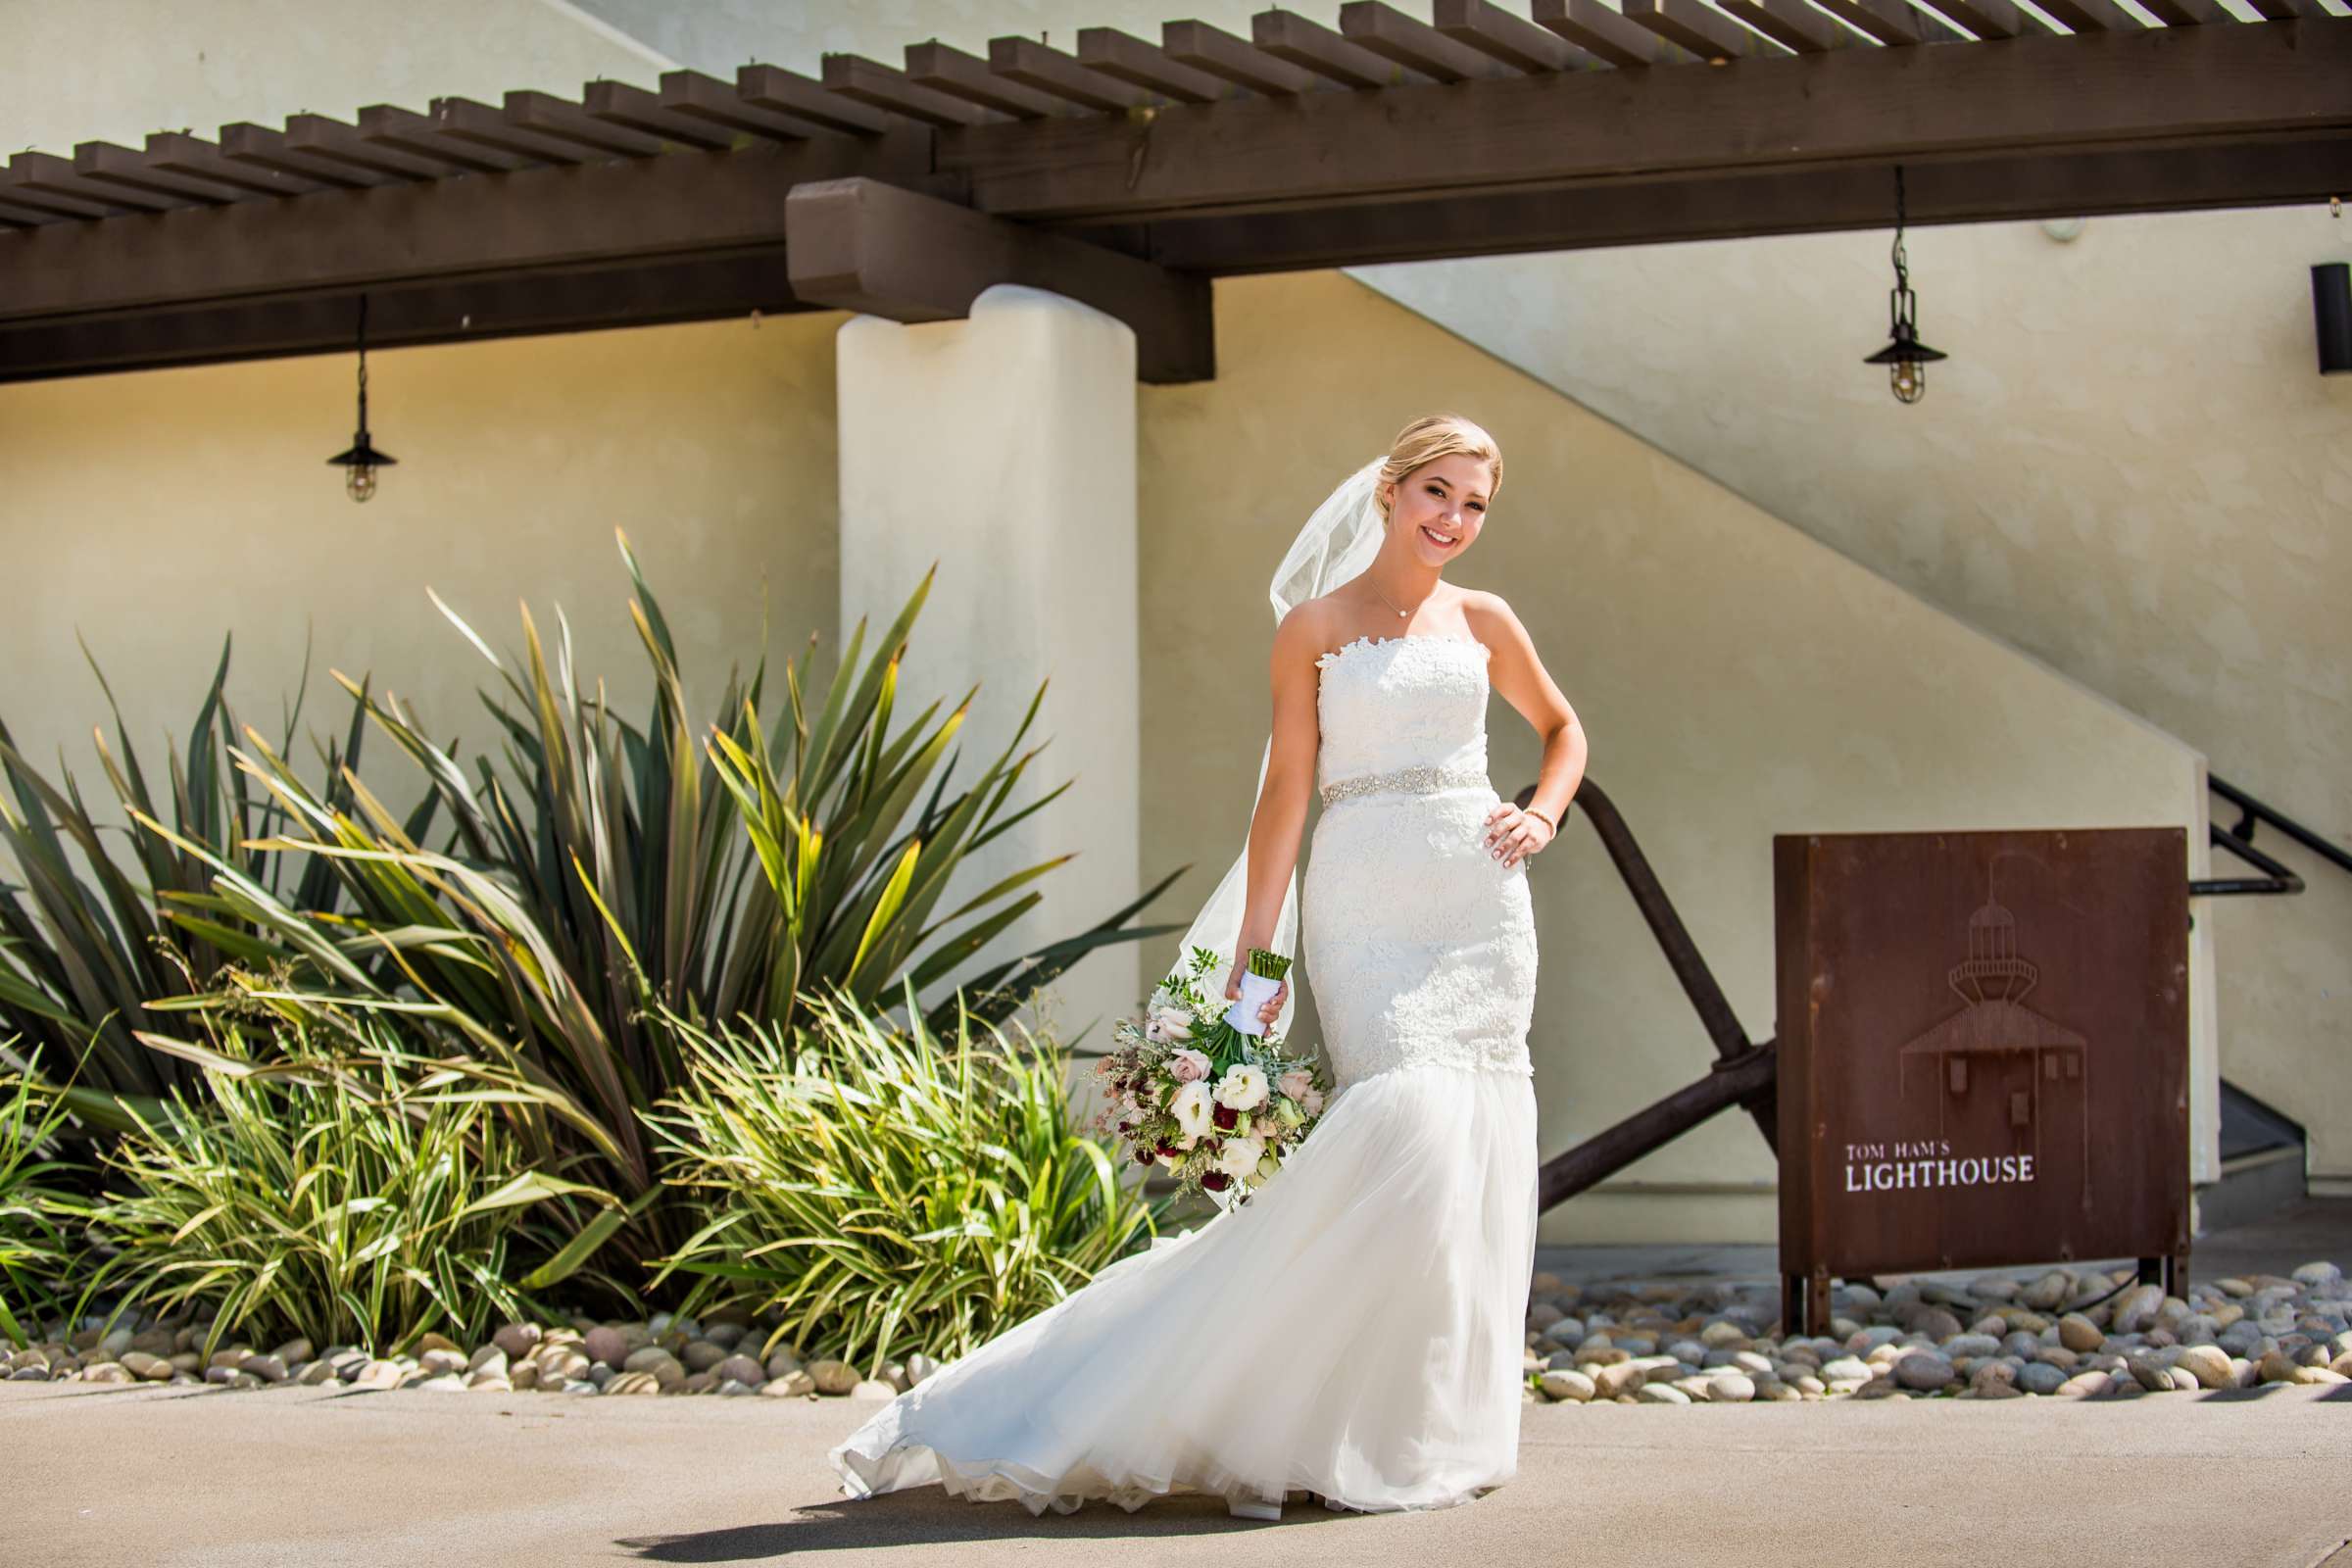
{"x": 1439, "y": 435}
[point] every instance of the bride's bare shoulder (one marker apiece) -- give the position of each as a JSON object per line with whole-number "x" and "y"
{"x": 1489, "y": 617}
{"x": 1305, "y": 630}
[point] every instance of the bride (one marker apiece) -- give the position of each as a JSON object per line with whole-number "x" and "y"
{"x": 1354, "y": 1331}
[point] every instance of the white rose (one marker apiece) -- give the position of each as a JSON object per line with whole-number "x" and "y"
{"x": 1174, "y": 1023}
{"x": 1244, "y": 1087}
{"x": 1191, "y": 1108}
{"x": 1240, "y": 1157}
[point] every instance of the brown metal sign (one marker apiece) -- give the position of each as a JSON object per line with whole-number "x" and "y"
{"x": 1983, "y": 1051}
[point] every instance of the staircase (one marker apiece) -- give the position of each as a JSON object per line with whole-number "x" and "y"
{"x": 2262, "y": 1164}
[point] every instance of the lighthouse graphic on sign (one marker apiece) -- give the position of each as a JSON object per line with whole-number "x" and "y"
{"x": 1996, "y": 1077}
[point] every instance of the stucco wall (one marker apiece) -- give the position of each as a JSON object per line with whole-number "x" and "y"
{"x": 1737, "y": 678}
{"x": 149, "y": 513}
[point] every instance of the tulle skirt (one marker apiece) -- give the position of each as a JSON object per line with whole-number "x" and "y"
{"x": 1354, "y": 1331}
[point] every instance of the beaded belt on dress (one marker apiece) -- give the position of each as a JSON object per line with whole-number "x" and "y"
{"x": 1424, "y": 777}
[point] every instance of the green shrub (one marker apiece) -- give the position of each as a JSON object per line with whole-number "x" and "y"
{"x": 335, "y": 1195}
{"x": 522, "y": 925}
{"x": 885, "y": 1191}
{"x": 39, "y": 1259}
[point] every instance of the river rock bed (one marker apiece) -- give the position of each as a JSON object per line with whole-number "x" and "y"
{"x": 2071, "y": 1333}
{"x": 663, "y": 1354}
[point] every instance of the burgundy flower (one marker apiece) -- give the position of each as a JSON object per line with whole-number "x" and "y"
{"x": 1143, "y": 1157}
{"x": 1216, "y": 1181}
{"x": 1226, "y": 1117}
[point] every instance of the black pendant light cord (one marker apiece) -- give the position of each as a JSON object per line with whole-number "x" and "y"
{"x": 363, "y": 364}
{"x": 1901, "y": 263}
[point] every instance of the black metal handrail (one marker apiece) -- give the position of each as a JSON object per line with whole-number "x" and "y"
{"x": 1746, "y": 1072}
{"x": 2239, "y": 841}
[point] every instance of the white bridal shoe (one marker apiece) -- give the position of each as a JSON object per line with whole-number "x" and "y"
{"x": 1252, "y": 1508}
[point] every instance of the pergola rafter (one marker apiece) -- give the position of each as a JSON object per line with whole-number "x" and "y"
{"x": 1140, "y": 170}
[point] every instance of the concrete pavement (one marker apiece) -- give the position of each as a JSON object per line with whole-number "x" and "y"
{"x": 99, "y": 1477}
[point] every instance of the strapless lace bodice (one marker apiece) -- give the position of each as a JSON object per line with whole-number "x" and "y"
{"x": 1402, "y": 702}
{"x": 1418, "y": 945}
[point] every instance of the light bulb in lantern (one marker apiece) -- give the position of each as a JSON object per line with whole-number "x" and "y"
{"x": 359, "y": 464}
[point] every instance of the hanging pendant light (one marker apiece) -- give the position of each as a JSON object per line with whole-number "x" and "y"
{"x": 1905, "y": 356}
{"x": 360, "y": 459}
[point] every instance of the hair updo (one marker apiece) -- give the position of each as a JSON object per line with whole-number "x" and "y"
{"x": 1439, "y": 435}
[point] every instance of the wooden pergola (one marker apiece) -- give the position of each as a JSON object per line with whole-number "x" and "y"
{"x": 1128, "y": 174}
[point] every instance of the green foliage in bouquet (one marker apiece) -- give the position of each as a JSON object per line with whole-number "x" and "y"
{"x": 1212, "y": 1104}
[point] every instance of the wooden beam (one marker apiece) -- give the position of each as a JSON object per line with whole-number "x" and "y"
{"x": 1930, "y": 27}
{"x": 1512, "y": 39}
{"x": 951, "y": 70}
{"x": 2189, "y": 13}
{"x": 479, "y": 126}
{"x": 1116, "y": 54}
{"x": 176, "y": 152}
{"x": 786, "y": 92}
{"x": 1999, "y": 188}
{"x": 24, "y": 211}
{"x": 535, "y": 220}
{"x": 1703, "y": 31}
{"x": 263, "y": 148}
{"x": 1989, "y": 20}
{"x": 860, "y": 245}
{"x": 471, "y": 310}
{"x": 1220, "y": 53}
{"x": 2093, "y": 16}
{"x": 724, "y": 107}
{"x": 2178, "y": 86}
{"x": 331, "y": 140}
{"x": 1050, "y": 72}
{"x": 121, "y": 165}
{"x": 1896, "y": 25}
{"x": 617, "y": 103}
{"x": 1790, "y": 23}
{"x": 1313, "y": 47}
{"x": 38, "y": 177}
{"x": 431, "y": 139}
{"x": 567, "y": 121}
{"x": 873, "y": 84}
{"x": 1416, "y": 45}
{"x": 1603, "y": 33}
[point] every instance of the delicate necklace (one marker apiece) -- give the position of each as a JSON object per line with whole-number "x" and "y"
{"x": 1385, "y": 599}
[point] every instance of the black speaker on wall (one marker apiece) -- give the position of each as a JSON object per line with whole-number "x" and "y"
{"x": 2332, "y": 311}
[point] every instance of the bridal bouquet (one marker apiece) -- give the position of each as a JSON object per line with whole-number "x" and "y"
{"x": 1201, "y": 1088}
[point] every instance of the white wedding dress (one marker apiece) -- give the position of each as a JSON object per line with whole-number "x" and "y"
{"x": 1356, "y": 1328}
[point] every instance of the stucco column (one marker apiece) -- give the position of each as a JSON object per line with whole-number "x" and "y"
{"x": 1002, "y": 446}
